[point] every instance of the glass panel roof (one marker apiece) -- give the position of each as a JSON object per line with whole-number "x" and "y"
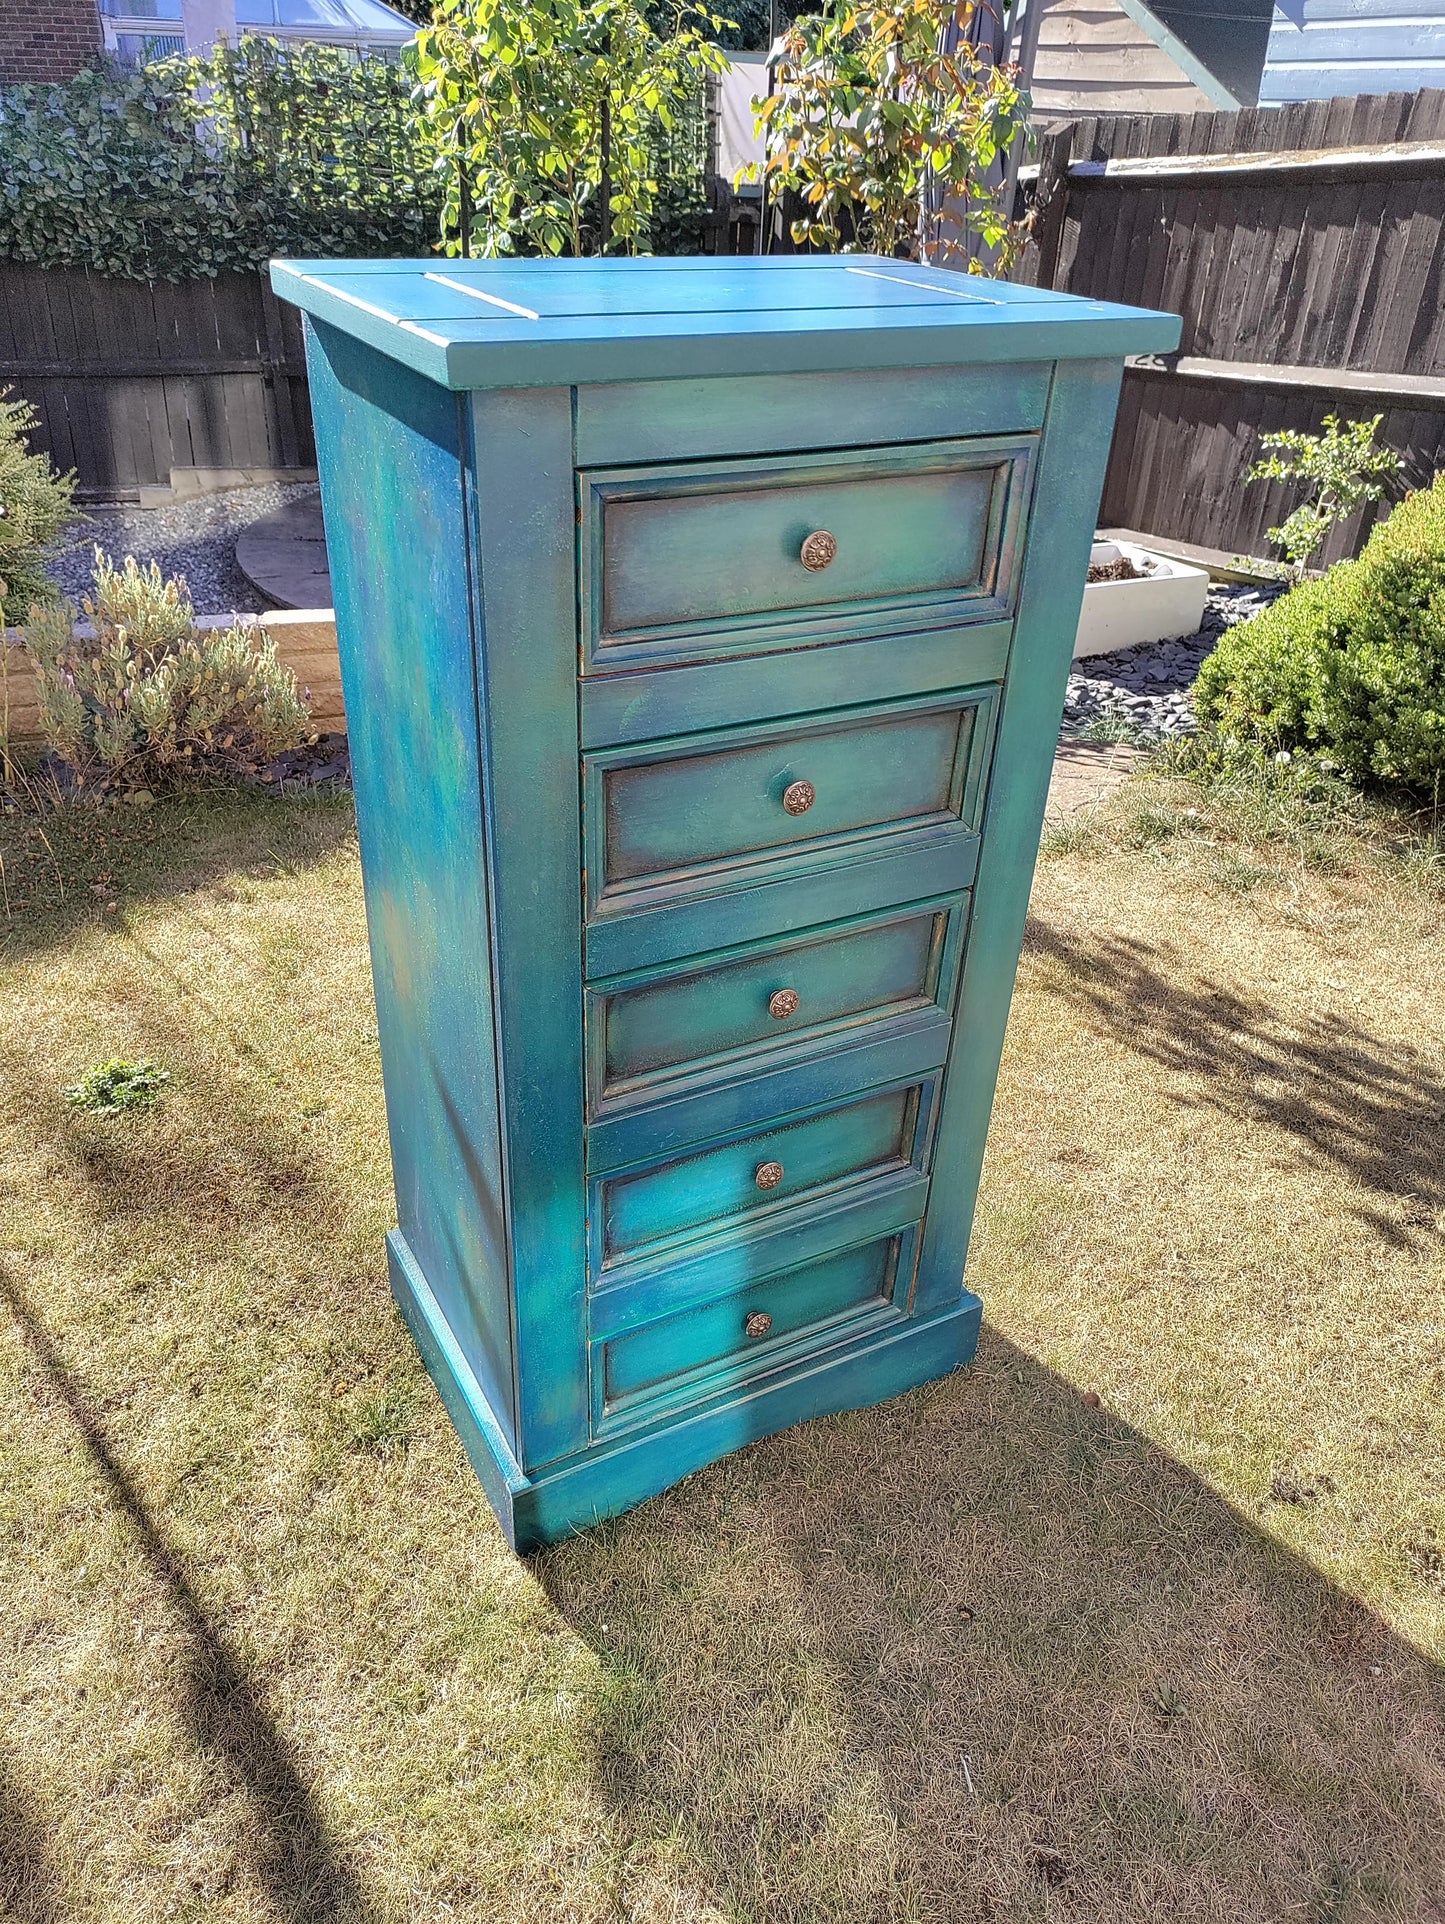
{"x": 346, "y": 16}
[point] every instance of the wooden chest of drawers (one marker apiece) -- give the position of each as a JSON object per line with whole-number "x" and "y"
{"x": 704, "y": 628}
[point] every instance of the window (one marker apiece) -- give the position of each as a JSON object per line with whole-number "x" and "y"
{"x": 136, "y": 49}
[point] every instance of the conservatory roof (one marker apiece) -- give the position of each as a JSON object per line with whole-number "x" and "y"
{"x": 351, "y": 19}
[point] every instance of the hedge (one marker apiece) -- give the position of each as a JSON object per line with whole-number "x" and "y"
{"x": 188, "y": 167}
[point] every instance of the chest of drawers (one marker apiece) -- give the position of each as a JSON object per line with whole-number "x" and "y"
{"x": 704, "y": 628}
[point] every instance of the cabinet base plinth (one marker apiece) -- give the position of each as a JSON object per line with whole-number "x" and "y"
{"x": 569, "y": 1496}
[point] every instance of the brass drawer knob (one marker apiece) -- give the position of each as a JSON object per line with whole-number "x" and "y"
{"x": 818, "y": 550}
{"x": 782, "y": 1003}
{"x": 758, "y": 1324}
{"x": 799, "y": 797}
{"x": 768, "y": 1175}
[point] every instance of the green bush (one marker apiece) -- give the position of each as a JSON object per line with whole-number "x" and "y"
{"x": 187, "y": 167}
{"x": 35, "y": 504}
{"x": 146, "y": 699}
{"x": 195, "y": 166}
{"x": 1348, "y": 669}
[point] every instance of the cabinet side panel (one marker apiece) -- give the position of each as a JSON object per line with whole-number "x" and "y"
{"x": 524, "y": 508}
{"x": 1077, "y": 431}
{"x": 389, "y": 451}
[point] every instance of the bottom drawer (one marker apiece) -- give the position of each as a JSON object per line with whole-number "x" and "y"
{"x": 773, "y": 1323}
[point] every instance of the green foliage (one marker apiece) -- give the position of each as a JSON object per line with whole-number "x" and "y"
{"x": 891, "y": 142}
{"x": 1343, "y": 469}
{"x": 111, "y": 1088}
{"x": 35, "y": 504}
{"x": 147, "y": 699}
{"x": 1347, "y": 671}
{"x": 187, "y": 167}
{"x": 546, "y": 117}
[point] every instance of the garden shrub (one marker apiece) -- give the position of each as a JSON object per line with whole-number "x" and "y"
{"x": 199, "y": 165}
{"x": 35, "y": 504}
{"x": 186, "y": 167}
{"x": 146, "y": 699}
{"x": 1348, "y": 669}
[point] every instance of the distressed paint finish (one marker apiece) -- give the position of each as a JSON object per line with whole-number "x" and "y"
{"x": 405, "y": 633}
{"x": 923, "y": 534}
{"x": 688, "y": 1088}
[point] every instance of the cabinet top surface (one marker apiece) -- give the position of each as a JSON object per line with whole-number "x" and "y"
{"x": 534, "y": 323}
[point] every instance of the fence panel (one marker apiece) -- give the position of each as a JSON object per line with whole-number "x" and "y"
{"x": 131, "y": 379}
{"x": 1310, "y": 282}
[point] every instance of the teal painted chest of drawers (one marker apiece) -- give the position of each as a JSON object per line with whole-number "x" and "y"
{"x": 704, "y": 627}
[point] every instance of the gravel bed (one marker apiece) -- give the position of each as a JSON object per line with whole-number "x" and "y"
{"x": 1142, "y": 694}
{"x": 196, "y": 539}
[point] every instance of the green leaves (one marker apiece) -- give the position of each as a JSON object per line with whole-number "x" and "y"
{"x": 193, "y": 166}
{"x": 115, "y": 1087}
{"x": 1343, "y": 469}
{"x": 1347, "y": 670}
{"x": 891, "y": 142}
{"x": 574, "y": 113}
{"x": 35, "y": 504}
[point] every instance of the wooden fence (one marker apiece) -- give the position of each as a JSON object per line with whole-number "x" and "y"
{"x": 1304, "y": 247}
{"x": 132, "y": 379}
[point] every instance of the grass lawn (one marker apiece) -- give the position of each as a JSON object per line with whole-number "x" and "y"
{"x": 1139, "y": 1618}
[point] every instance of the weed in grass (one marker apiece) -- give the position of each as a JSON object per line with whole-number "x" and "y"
{"x": 384, "y": 1423}
{"x": 1114, "y": 728}
{"x": 117, "y": 1087}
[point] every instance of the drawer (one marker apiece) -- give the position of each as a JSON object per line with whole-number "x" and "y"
{"x": 775, "y": 1323}
{"x": 681, "y": 563}
{"x": 640, "y": 1214}
{"x": 672, "y": 820}
{"x": 730, "y": 1015}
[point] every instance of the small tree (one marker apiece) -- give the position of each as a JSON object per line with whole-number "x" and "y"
{"x": 544, "y": 113}
{"x": 35, "y": 504}
{"x": 1343, "y": 468}
{"x": 892, "y": 127}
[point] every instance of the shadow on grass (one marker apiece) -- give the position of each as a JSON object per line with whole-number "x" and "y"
{"x": 28, "y": 1892}
{"x": 1370, "y": 1106}
{"x": 986, "y": 1653}
{"x": 290, "y": 1852}
{"x": 60, "y": 870}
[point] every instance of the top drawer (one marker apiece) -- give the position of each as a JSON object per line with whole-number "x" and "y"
{"x": 683, "y": 563}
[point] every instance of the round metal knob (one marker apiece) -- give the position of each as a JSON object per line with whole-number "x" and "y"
{"x": 818, "y": 550}
{"x": 782, "y": 1003}
{"x": 799, "y": 797}
{"x": 768, "y": 1175}
{"x": 758, "y": 1324}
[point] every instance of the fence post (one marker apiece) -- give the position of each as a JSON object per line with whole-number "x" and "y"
{"x": 1051, "y": 201}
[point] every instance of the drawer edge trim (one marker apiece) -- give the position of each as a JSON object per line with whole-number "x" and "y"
{"x": 642, "y": 1293}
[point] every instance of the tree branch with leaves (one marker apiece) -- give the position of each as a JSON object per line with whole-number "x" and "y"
{"x": 891, "y": 127}
{"x": 1342, "y": 468}
{"x": 545, "y": 116}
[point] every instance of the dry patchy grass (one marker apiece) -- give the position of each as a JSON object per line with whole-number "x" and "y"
{"x": 1138, "y": 1618}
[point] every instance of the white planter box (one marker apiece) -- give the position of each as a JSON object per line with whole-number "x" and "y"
{"x": 1167, "y": 603}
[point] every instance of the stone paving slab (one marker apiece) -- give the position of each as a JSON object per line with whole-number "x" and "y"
{"x": 284, "y": 555}
{"x": 1084, "y": 773}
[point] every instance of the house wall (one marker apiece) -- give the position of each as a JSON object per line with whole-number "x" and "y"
{"x": 1322, "y": 48}
{"x": 47, "y": 39}
{"x": 1094, "y": 59}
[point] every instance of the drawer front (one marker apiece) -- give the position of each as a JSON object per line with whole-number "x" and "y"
{"x": 748, "y": 1181}
{"x": 777, "y": 1322}
{"x": 682, "y": 563}
{"x": 730, "y": 1014}
{"x": 674, "y": 819}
